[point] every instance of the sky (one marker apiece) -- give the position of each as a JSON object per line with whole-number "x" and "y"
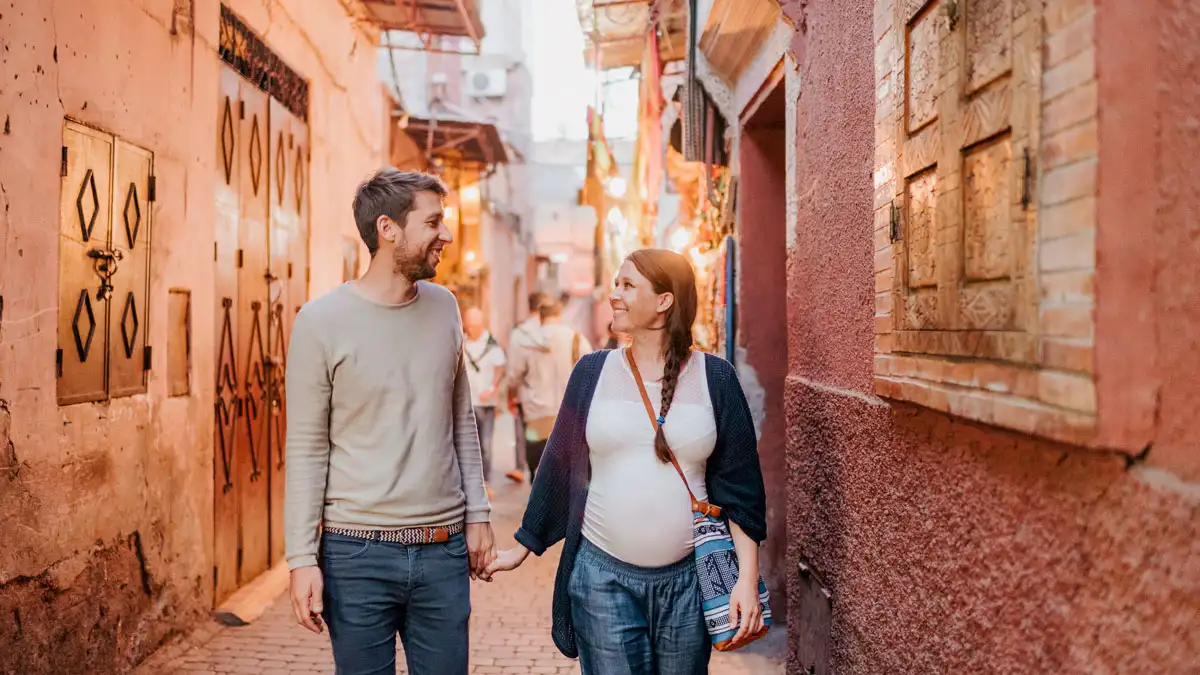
{"x": 563, "y": 87}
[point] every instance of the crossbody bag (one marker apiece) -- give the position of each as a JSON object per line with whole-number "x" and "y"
{"x": 715, "y": 555}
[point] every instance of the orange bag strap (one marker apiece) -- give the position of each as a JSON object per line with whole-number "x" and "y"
{"x": 697, "y": 505}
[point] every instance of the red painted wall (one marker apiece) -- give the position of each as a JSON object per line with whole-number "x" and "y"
{"x": 762, "y": 324}
{"x": 953, "y": 547}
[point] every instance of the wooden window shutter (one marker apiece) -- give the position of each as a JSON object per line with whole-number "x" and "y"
{"x": 104, "y": 264}
{"x": 965, "y": 282}
{"x": 85, "y": 217}
{"x": 129, "y": 309}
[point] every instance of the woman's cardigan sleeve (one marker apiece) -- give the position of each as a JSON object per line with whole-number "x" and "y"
{"x": 734, "y": 476}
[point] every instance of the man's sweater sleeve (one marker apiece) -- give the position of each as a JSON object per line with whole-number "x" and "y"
{"x": 309, "y": 388}
{"x": 466, "y": 445}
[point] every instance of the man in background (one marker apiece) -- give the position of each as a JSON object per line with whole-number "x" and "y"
{"x": 525, "y": 335}
{"x": 541, "y": 370}
{"x": 485, "y": 372}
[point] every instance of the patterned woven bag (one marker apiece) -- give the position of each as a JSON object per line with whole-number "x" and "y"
{"x": 716, "y": 558}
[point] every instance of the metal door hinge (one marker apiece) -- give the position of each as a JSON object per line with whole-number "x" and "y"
{"x": 894, "y": 234}
{"x": 214, "y": 251}
{"x": 146, "y": 355}
{"x": 1027, "y": 188}
{"x": 240, "y": 258}
{"x": 2, "y": 306}
{"x": 58, "y": 363}
{"x": 62, "y": 169}
{"x": 152, "y": 189}
{"x": 308, "y": 274}
{"x": 289, "y": 275}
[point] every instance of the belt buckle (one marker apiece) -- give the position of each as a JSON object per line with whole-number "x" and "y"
{"x": 441, "y": 534}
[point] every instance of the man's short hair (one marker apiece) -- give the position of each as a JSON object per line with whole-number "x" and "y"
{"x": 549, "y": 310}
{"x": 389, "y": 192}
{"x": 536, "y": 299}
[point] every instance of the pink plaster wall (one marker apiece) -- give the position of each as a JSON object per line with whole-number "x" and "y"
{"x": 960, "y": 548}
{"x": 762, "y": 324}
{"x": 107, "y": 527}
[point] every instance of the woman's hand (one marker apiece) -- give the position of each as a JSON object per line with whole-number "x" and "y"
{"x": 508, "y": 559}
{"x": 745, "y": 607}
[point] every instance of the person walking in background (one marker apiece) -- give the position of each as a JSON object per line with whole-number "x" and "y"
{"x": 644, "y": 436}
{"x": 525, "y": 334}
{"x": 386, "y": 515}
{"x": 485, "y": 372}
{"x": 542, "y": 368}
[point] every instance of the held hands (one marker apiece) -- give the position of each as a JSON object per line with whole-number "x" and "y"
{"x": 481, "y": 549}
{"x": 509, "y": 559}
{"x": 744, "y": 607}
{"x": 308, "y": 587}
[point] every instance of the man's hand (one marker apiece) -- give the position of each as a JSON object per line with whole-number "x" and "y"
{"x": 481, "y": 549}
{"x": 508, "y": 559}
{"x": 487, "y": 396}
{"x": 744, "y": 606}
{"x": 307, "y": 588}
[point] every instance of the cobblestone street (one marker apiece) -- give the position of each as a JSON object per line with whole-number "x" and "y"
{"x": 510, "y": 623}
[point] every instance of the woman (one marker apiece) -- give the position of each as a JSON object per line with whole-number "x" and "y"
{"x": 627, "y": 598}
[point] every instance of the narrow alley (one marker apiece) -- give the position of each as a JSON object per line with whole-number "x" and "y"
{"x": 510, "y": 622}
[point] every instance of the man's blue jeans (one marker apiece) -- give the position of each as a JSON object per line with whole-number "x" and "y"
{"x": 632, "y": 620}
{"x": 374, "y": 590}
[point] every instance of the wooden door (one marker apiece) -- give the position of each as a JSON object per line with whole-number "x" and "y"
{"x": 288, "y": 286}
{"x": 253, "y": 309}
{"x": 228, "y": 377}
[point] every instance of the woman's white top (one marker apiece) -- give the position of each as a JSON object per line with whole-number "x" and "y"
{"x": 638, "y": 510}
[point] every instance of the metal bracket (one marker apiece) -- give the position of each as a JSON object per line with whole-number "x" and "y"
{"x": 894, "y": 234}
{"x": 105, "y": 264}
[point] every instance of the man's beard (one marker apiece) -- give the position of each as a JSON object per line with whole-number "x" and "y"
{"x": 415, "y": 267}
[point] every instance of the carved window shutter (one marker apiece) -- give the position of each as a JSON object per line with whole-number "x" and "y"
{"x": 965, "y": 264}
{"x": 104, "y": 259}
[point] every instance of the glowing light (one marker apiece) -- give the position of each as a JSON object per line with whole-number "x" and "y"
{"x": 451, "y": 213}
{"x": 469, "y": 193}
{"x": 679, "y": 239}
{"x": 617, "y": 186}
{"x": 469, "y": 256}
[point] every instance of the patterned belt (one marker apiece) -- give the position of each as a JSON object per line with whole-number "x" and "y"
{"x": 409, "y": 536}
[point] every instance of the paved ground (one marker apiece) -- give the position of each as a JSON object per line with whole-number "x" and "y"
{"x": 510, "y": 623}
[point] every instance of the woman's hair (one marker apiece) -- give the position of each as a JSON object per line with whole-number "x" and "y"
{"x": 670, "y": 272}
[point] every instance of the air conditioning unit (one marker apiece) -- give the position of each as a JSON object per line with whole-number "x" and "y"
{"x": 487, "y": 83}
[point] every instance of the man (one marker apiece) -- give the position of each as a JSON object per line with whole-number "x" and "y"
{"x": 526, "y": 334}
{"x": 383, "y": 462}
{"x": 485, "y": 372}
{"x": 542, "y": 368}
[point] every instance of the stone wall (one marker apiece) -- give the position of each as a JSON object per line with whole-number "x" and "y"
{"x": 108, "y": 507}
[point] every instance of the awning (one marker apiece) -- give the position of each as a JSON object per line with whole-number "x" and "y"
{"x": 428, "y": 18}
{"x": 455, "y": 138}
{"x": 736, "y": 31}
{"x": 615, "y": 31}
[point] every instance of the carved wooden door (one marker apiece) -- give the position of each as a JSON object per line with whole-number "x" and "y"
{"x": 288, "y": 285}
{"x": 253, "y": 309}
{"x": 261, "y": 256}
{"x": 227, "y": 471}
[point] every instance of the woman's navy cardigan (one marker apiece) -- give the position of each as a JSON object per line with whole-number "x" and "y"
{"x": 556, "y": 504}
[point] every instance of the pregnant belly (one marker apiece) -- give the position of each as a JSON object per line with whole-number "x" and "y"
{"x": 643, "y": 518}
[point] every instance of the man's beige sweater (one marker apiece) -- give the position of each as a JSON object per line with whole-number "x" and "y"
{"x": 380, "y": 430}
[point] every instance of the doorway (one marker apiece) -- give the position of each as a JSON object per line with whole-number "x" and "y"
{"x": 260, "y": 253}
{"x": 762, "y": 306}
